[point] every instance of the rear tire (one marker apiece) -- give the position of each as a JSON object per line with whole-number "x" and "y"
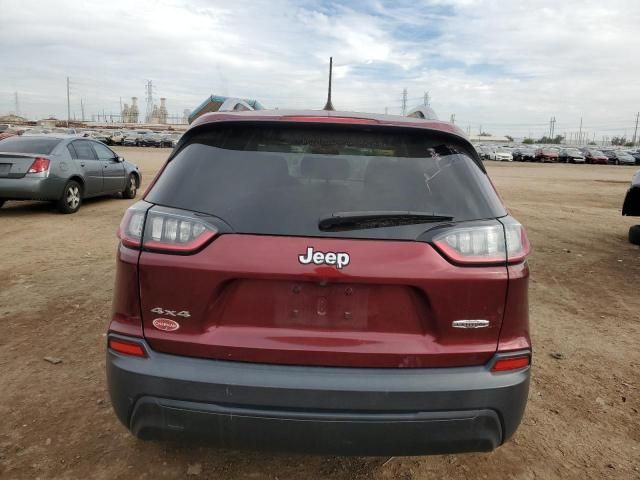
{"x": 132, "y": 187}
{"x": 71, "y": 198}
{"x": 634, "y": 234}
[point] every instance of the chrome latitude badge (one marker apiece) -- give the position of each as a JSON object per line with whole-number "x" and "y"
{"x": 470, "y": 323}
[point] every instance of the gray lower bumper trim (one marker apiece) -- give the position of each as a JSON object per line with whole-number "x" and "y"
{"x": 335, "y": 433}
{"x": 375, "y": 411}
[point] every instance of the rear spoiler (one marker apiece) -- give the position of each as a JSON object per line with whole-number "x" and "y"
{"x": 454, "y": 134}
{"x": 25, "y": 155}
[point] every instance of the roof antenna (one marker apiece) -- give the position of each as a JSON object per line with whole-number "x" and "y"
{"x": 329, "y": 105}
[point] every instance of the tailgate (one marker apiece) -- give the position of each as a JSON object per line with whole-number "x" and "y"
{"x": 250, "y": 298}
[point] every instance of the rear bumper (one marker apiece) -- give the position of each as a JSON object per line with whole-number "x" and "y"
{"x": 356, "y": 411}
{"x": 27, "y": 188}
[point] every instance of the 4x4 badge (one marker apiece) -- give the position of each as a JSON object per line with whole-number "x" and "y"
{"x": 339, "y": 259}
{"x": 171, "y": 313}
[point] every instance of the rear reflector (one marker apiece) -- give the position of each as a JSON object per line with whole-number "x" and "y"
{"x": 127, "y": 348}
{"x": 511, "y": 363}
{"x": 39, "y": 165}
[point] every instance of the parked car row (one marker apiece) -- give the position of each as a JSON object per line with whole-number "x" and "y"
{"x": 137, "y": 138}
{"x": 528, "y": 153}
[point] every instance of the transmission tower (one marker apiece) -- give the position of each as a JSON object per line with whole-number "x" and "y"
{"x": 404, "y": 102}
{"x": 148, "y": 91}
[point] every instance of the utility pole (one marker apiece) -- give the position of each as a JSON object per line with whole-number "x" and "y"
{"x": 552, "y": 126}
{"x": 580, "y": 134}
{"x": 329, "y": 104}
{"x": 82, "y": 109}
{"x": 68, "y": 104}
{"x": 453, "y": 118}
{"x": 404, "y": 102}
{"x": 635, "y": 133}
{"x": 15, "y": 95}
{"x": 426, "y": 99}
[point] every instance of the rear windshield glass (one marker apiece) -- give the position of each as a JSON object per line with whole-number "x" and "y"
{"x": 283, "y": 179}
{"x": 28, "y": 145}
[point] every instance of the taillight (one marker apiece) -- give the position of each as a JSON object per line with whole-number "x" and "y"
{"x": 164, "y": 231}
{"x": 511, "y": 363}
{"x": 485, "y": 244}
{"x": 518, "y": 246}
{"x": 130, "y": 231}
{"x": 39, "y": 165}
{"x": 127, "y": 348}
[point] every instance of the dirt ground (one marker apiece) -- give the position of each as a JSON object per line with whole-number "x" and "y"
{"x": 582, "y": 420}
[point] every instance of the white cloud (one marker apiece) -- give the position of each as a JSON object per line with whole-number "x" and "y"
{"x": 506, "y": 65}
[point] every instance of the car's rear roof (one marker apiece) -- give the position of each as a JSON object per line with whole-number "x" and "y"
{"x": 329, "y": 117}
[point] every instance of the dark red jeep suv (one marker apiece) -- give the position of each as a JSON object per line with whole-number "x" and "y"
{"x": 322, "y": 282}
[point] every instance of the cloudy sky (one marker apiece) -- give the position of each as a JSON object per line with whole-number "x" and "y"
{"x": 507, "y": 66}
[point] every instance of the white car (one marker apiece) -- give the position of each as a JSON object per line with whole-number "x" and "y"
{"x": 503, "y": 155}
{"x": 117, "y": 137}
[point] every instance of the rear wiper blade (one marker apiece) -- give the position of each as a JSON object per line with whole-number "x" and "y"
{"x": 377, "y": 219}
